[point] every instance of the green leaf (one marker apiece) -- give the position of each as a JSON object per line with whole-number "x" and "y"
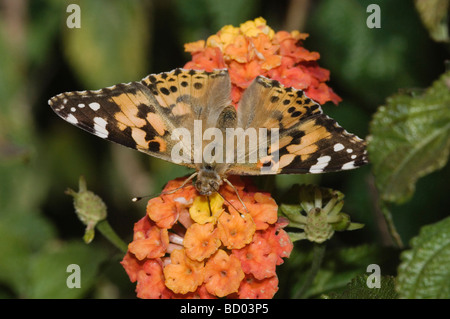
{"x": 339, "y": 267}
{"x": 410, "y": 137}
{"x": 48, "y": 270}
{"x": 110, "y": 47}
{"x": 424, "y": 271}
{"x": 22, "y": 233}
{"x": 370, "y": 63}
{"x": 232, "y": 12}
{"x": 358, "y": 289}
{"x": 434, "y": 15}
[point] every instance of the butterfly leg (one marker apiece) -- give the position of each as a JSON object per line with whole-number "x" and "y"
{"x": 180, "y": 187}
{"x": 237, "y": 193}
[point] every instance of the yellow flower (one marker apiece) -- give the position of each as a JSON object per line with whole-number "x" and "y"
{"x": 255, "y": 27}
{"x": 200, "y": 210}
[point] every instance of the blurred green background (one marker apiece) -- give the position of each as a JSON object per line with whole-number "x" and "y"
{"x": 121, "y": 41}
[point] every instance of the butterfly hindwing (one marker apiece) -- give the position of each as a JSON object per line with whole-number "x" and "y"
{"x": 308, "y": 141}
{"x": 320, "y": 145}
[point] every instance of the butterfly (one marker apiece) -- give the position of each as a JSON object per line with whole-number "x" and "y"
{"x": 293, "y": 135}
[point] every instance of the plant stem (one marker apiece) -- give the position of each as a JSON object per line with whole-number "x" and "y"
{"x": 318, "y": 254}
{"x": 390, "y": 222}
{"x": 105, "y": 228}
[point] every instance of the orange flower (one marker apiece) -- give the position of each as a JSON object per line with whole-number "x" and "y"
{"x": 150, "y": 281}
{"x": 242, "y": 75}
{"x": 261, "y": 206}
{"x": 237, "y": 50}
{"x": 200, "y": 293}
{"x": 252, "y": 288}
{"x": 279, "y": 240}
{"x": 257, "y": 258}
{"x": 183, "y": 274}
{"x": 236, "y": 230}
{"x": 223, "y": 274}
{"x": 131, "y": 265}
{"x": 201, "y": 241}
{"x": 263, "y": 210}
{"x": 194, "y": 46}
{"x": 208, "y": 60}
{"x": 212, "y": 245}
{"x": 150, "y": 241}
{"x": 254, "y": 49}
{"x": 163, "y": 213}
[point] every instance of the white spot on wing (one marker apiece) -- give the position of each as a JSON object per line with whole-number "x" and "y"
{"x": 322, "y": 162}
{"x": 349, "y": 165}
{"x": 100, "y": 127}
{"x": 72, "y": 119}
{"x": 94, "y": 106}
{"x": 81, "y": 105}
{"x": 349, "y": 150}
{"x": 338, "y": 147}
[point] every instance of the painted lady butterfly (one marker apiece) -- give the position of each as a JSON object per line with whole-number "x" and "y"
{"x": 143, "y": 115}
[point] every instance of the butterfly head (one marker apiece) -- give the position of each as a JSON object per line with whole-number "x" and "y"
{"x": 208, "y": 181}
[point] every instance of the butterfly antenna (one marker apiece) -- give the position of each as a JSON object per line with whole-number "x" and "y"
{"x": 135, "y": 199}
{"x": 217, "y": 191}
{"x": 237, "y": 193}
{"x": 138, "y": 198}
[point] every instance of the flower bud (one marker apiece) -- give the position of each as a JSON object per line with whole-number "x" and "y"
{"x": 89, "y": 208}
{"x": 322, "y": 207}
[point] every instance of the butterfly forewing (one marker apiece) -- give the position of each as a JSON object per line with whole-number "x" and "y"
{"x": 143, "y": 115}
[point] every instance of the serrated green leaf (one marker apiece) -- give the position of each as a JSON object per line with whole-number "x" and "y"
{"x": 424, "y": 271}
{"x": 48, "y": 270}
{"x": 410, "y": 137}
{"x": 358, "y": 289}
{"x": 110, "y": 47}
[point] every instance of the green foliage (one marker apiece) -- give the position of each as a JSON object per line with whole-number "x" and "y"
{"x": 357, "y": 289}
{"x": 424, "y": 271}
{"x": 103, "y": 51}
{"x": 48, "y": 270}
{"x": 434, "y": 15}
{"x": 365, "y": 59}
{"x": 339, "y": 266}
{"x": 410, "y": 138}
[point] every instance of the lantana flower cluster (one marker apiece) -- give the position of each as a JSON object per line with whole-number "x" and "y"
{"x": 254, "y": 49}
{"x": 190, "y": 247}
